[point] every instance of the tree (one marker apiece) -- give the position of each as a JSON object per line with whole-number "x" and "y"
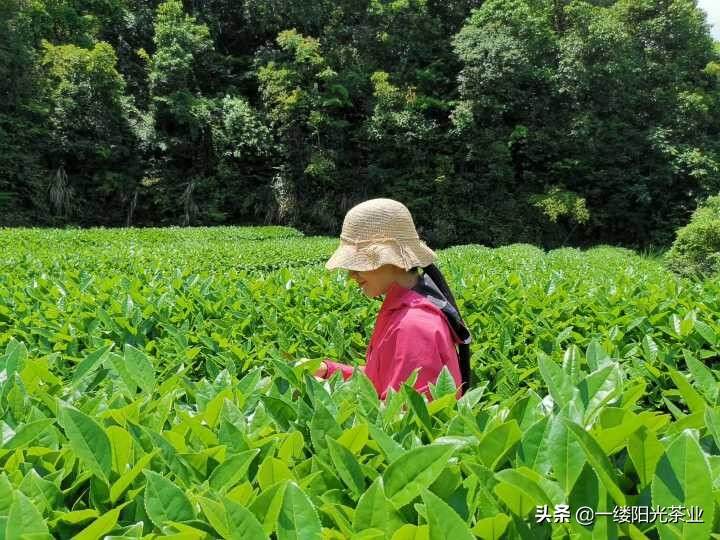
{"x": 90, "y": 147}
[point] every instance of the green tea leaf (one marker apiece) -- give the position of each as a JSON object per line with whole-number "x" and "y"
{"x": 298, "y": 519}
{"x": 272, "y": 471}
{"x": 599, "y": 461}
{"x": 267, "y": 505}
{"x": 558, "y": 382}
{"x": 164, "y": 501}
{"x": 408, "y": 475}
{"x": 444, "y": 523}
{"x": 682, "y": 477}
{"x": 645, "y": 451}
{"x": 374, "y": 510}
{"x": 89, "y": 363}
{"x": 242, "y": 522}
{"x": 347, "y": 467}
{"x": 88, "y": 440}
{"x": 101, "y": 526}
{"x": 491, "y": 528}
{"x": 24, "y": 520}
{"x": 444, "y": 385}
{"x": 412, "y": 532}
{"x": 565, "y": 453}
{"x": 140, "y": 368}
{"x": 26, "y": 434}
{"x": 124, "y": 482}
{"x": 231, "y": 471}
{"x": 496, "y": 444}
{"x": 703, "y": 378}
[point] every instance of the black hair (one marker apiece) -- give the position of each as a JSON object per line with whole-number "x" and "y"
{"x": 463, "y": 348}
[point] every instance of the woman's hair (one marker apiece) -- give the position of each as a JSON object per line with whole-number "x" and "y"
{"x": 464, "y": 348}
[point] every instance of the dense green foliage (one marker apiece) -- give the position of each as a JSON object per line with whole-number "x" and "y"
{"x": 148, "y": 387}
{"x": 696, "y": 249}
{"x": 543, "y": 121}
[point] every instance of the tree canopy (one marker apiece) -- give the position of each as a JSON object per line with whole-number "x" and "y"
{"x": 545, "y": 121}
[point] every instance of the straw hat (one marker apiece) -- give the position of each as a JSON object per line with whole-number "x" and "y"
{"x": 378, "y": 232}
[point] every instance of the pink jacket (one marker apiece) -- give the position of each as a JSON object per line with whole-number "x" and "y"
{"x": 410, "y": 332}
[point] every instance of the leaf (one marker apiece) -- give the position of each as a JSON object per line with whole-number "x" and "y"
{"x": 515, "y": 499}
{"x": 444, "y": 523}
{"x": 558, "y": 382}
{"x": 117, "y": 362}
{"x": 282, "y": 412}
{"x": 595, "y": 355}
{"x": 374, "y": 510}
{"x": 389, "y": 447}
{"x": 650, "y": 348}
{"x": 164, "y": 501}
{"x": 124, "y": 482}
{"x": 355, "y": 438}
{"x": 444, "y": 385}
{"x": 495, "y": 445}
{"x": 412, "y": 532}
{"x": 531, "y": 451}
{"x": 694, "y": 401}
{"x": 6, "y": 497}
{"x": 77, "y": 516}
{"x": 26, "y": 434}
{"x": 418, "y": 406}
{"x": 524, "y": 483}
{"x": 89, "y": 363}
{"x": 272, "y": 471}
{"x": 242, "y": 522}
{"x": 565, "y": 453}
{"x": 712, "y": 421}
{"x": 292, "y": 447}
{"x": 14, "y": 358}
{"x": 140, "y": 368}
{"x": 472, "y": 397}
{"x": 88, "y": 440}
{"x": 599, "y": 461}
{"x": 571, "y": 361}
{"x": 101, "y": 526}
{"x": 266, "y": 506}
{"x": 24, "y": 520}
{"x": 492, "y": 528}
{"x": 232, "y": 520}
{"x": 703, "y": 378}
{"x": 600, "y": 388}
{"x": 43, "y": 493}
{"x": 683, "y": 478}
{"x": 323, "y": 423}
{"x": 121, "y": 443}
{"x": 347, "y": 467}
{"x": 408, "y": 475}
{"x": 706, "y": 332}
{"x": 645, "y": 451}
{"x": 298, "y": 519}
{"x": 231, "y": 471}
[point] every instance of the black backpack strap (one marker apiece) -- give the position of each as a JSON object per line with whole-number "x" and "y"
{"x": 427, "y": 287}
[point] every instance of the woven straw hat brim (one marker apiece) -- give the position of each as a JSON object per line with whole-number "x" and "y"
{"x": 370, "y": 256}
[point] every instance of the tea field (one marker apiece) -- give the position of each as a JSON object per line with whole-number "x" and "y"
{"x": 150, "y": 386}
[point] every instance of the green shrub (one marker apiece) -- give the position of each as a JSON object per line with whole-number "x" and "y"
{"x": 696, "y": 250}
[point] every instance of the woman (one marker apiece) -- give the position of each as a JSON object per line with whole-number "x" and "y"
{"x": 418, "y": 325}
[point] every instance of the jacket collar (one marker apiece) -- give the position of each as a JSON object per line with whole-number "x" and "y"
{"x": 396, "y": 297}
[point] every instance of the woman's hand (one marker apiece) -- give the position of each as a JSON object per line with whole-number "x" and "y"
{"x": 322, "y": 370}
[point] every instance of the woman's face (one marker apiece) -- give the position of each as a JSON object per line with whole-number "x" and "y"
{"x": 374, "y": 282}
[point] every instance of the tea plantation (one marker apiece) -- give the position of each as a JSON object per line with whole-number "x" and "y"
{"x": 149, "y": 387}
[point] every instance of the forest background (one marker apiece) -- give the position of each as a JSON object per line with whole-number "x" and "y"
{"x": 544, "y": 121}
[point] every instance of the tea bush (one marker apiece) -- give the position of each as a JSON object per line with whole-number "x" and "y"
{"x": 149, "y": 388}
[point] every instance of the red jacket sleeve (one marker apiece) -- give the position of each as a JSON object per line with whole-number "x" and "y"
{"x": 345, "y": 369}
